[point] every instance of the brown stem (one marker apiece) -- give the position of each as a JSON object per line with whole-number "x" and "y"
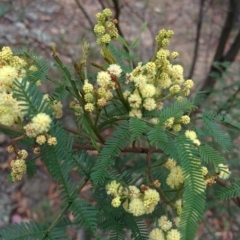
{"x": 197, "y": 39}
{"x": 210, "y": 81}
{"x": 126, "y": 149}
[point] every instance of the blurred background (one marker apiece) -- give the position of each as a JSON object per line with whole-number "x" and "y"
{"x": 207, "y": 37}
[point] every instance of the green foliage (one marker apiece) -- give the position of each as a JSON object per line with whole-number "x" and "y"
{"x": 23, "y": 231}
{"x": 58, "y": 160}
{"x": 30, "y": 98}
{"x": 120, "y": 55}
{"x": 88, "y": 129}
{"x": 31, "y": 168}
{"x": 30, "y": 231}
{"x": 175, "y": 109}
{"x": 219, "y": 136}
{"x": 41, "y": 64}
{"x": 229, "y": 192}
{"x": 159, "y": 139}
{"x": 194, "y": 188}
{"x": 111, "y": 149}
{"x": 85, "y": 214}
{"x": 210, "y": 155}
{"x": 137, "y": 128}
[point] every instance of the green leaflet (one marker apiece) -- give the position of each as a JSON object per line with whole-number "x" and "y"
{"x": 175, "y": 109}
{"x": 30, "y": 98}
{"x": 58, "y": 160}
{"x": 213, "y": 116}
{"x": 194, "y": 188}
{"x": 219, "y": 136}
{"x": 156, "y": 136}
{"x": 86, "y": 126}
{"x": 137, "y": 128}
{"x": 229, "y": 192}
{"x": 112, "y": 148}
{"x": 31, "y": 230}
{"x": 210, "y": 155}
{"x": 85, "y": 214}
{"x": 119, "y": 56}
{"x": 158, "y": 139}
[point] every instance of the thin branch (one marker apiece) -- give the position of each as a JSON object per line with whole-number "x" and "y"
{"x": 126, "y": 149}
{"x": 85, "y": 13}
{"x": 197, "y": 39}
{"x": 209, "y": 82}
{"x": 228, "y": 25}
{"x": 233, "y": 51}
{"x": 158, "y": 189}
{"x": 102, "y": 4}
{"x": 55, "y": 222}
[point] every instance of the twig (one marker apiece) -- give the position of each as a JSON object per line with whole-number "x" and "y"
{"x": 209, "y": 82}
{"x": 126, "y": 149}
{"x": 197, "y": 39}
{"x": 55, "y": 222}
{"x": 85, "y": 13}
{"x": 158, "y": 189}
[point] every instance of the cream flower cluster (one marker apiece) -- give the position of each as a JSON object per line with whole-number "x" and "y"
{"x": 170, "y": 163}
{"x": 175, "y": 177}
{"x": 18, "y": 169}
{"x": 193, "y": 136}
{"x": 106, "y": 82}
{"x": 105, "y": 28}
{"x": 134, "y": 200}
{"x": 224, "y": 172}
{"x": 176, "y": 123}
{"x": 164, "y": 231}
{"x": 18, "y": 165}
{"x": 156, "y": 81}
{"x": 38, "y": 128}
{"x": 11, "y": 68}
{"x": 57, "y": 108}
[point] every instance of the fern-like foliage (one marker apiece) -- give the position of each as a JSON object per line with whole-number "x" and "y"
{"x": 82, "y": 162}
{"x": 111, "y": 149}
{"x": 117, "y": 219}
{"x": 58, "y": 160}
{"x": 137, "y": 128}
{"x": 219, "y": 136}
{"x": 60, "y": 93}
{"x": 86, "y": 126}
{"x": 30, "y": 98}
{"x": 138, "y": 227}
{"x": 158, "y": 138}
{"x": 85, "y": 214}
{"x": 194, "y": 188}
{"x": 210, "y": 155}
{"x": 31, "y": 168}
{"x": 221, "y": 119}
{"x": 41, "y": 64}
{"x": 119, "y": 56}
{"x": 175, "y": 109}
{"x": 229, "y": 192}
{"x": 23, "y": 231}
{"x": 120, "y": 173}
